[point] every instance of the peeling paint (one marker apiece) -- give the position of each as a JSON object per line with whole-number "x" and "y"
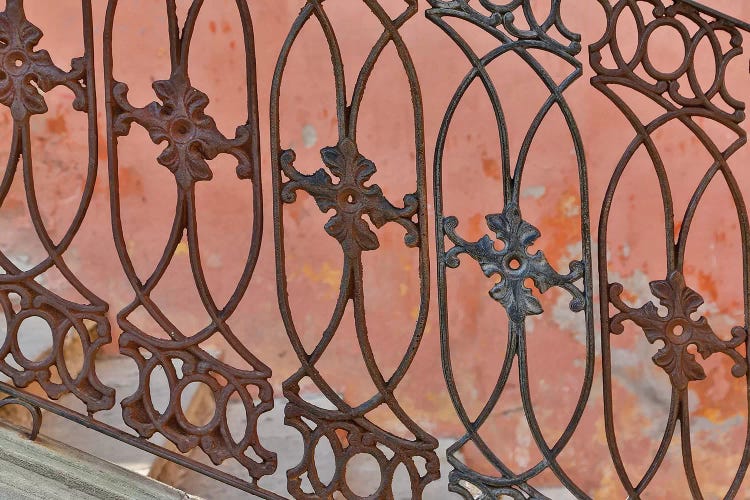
{"x": 214, "y": 261}
{"x": 309, "y": 136}
{"x": 533, "y": 192}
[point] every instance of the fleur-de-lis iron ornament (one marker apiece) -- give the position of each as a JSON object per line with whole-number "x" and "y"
{"x": 344, "y": 188}
{"x": 350, "y": 198}
{"x": 192, "y": 137}
{"x": 686, "y": 105}
{"x": 25, "y": 73}
{"x": 678, "y": 330}
{"x": 514, "y": 264}
{"x": 521, "y": 30}
{"x": 179, "y": 121}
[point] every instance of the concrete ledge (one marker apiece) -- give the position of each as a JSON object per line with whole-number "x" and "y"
{"x": 47, "y": 469}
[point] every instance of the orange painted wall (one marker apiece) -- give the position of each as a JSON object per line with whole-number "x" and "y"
{"x": 473, "y": 189}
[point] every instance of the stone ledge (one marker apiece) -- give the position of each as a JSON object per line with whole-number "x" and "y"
{"x": 52, "y": 470}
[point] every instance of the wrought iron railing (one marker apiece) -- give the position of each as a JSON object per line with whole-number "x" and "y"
{"x": 346, "y": 190}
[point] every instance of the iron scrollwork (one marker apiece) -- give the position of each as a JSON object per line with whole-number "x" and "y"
{"x": 349, "y": 198}
{"x": 346, "y": 190}
{"x": 677, "y": 330}
{"x": 354, "y": 201}
{"x": 682, "y": 100}
{"x": 514, "y": 264}
{"x": 190, "y": 139}
{"x": 26, "y": 73}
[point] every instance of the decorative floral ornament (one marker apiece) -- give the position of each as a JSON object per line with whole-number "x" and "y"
{"x": 26, "y": 73}
{"x": 678, "y": 330}
{"x": 350, "y": 198}
{"x": 192, "y": 137}
{"x": 514, "y": 264}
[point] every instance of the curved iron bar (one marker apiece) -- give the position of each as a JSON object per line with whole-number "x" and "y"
{"x": 681, "y": 104}
{"x": 517, "y": 235}
{"x": 191, "y": 139}
{"x": 352, "y": 200}
{"x": 34, "y": 411}
{"x": 137, "y": 442}
{"x": 27, "y": 73}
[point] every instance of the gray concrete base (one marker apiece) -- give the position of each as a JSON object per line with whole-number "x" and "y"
{"x": 49, "y": 470}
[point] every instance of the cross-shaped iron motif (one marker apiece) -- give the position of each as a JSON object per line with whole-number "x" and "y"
{"x": 514, "y": 264}
{"x": 26, "y": 73}
{"x": 191, "y": 136}
{"x": 678, "y": 330}
{"x": 350, "y": 198}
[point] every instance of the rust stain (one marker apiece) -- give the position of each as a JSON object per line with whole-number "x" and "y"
{"x": 630, "y": 296}
{"x": 712, "y": 414}
{"x": 477, "y": 226}
{"x": 600, "y": 434}
{"x": 491, "y": 168}
{"x": 732, "y": 404}
{"x": 406, "y": 265}
{"x": 707, "y": 285}
{"x": 57, "y": 125}
{"x": 724, "y": 397}
{"x": 129, "y": 181}
{"x": 101, "y": 152}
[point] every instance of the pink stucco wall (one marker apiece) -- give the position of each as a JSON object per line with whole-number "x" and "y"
{"x": 550, "y": 201}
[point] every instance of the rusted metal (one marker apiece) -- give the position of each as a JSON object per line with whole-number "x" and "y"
{"x": 346, "y": 189}
{"x": 190, "y": 138}
{"x": 24, "y": 71}
{"x": 514, "y": 264}
{"x": 34, "y": 411}
{"x": 677, "y": 330}
{"x": 685, "y": 104}
{"x": 354, "y": 201}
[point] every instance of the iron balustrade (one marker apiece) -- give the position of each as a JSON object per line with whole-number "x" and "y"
{"x": 346, "y": 190}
